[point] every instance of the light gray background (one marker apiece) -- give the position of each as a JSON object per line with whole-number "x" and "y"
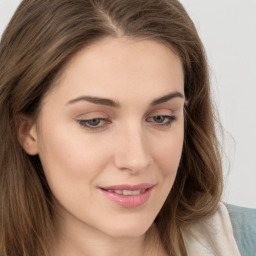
{"x": 228, "y": 31}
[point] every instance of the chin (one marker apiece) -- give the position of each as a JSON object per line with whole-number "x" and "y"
{"x": 129, "y": 228}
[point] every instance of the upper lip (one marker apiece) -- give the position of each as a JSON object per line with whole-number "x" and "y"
{"x": 129, "y": 187}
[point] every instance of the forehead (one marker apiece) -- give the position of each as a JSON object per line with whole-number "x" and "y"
{"x": 119, "y": 67}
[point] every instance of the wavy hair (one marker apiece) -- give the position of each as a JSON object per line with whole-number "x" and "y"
{"x": 39, "y": 40}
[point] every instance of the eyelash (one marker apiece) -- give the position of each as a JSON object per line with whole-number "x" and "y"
{"x": 170, "y": 120}
{"x": 165, "y": 122}
{"x": 86, "y": 123}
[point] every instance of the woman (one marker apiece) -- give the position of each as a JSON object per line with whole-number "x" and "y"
{"x": 107, "y": 133}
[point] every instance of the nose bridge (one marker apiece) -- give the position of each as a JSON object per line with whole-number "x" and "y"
{"x": 132, "y": 152}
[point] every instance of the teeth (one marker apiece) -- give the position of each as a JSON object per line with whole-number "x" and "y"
{"x": 128, "y": 192}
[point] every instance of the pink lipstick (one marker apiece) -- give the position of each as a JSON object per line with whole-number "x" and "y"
{"x": 128, "y": 196}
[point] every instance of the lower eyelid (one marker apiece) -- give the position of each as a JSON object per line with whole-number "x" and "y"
{"x": 169, "y": 120}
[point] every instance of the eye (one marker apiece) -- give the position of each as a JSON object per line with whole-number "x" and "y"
{"x": 94, "y": 123}
{"x": 163, "y": 120}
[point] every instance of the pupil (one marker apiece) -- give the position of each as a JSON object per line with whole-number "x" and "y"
{"x": 94, "y": 121}
{"x": 159, "y": 119}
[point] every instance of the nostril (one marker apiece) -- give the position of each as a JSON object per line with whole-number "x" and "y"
{"x": 132, "y": 165}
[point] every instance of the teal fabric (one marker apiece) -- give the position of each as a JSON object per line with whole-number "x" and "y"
{"x": 244, "y": 227}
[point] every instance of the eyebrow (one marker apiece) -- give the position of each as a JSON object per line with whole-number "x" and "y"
{"x": 166, "y": 98}
{"x": 96, "y": 100}
{"x": 115, "y": 104}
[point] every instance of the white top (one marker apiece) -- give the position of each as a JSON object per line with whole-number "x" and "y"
{"x": 212, "y": 236}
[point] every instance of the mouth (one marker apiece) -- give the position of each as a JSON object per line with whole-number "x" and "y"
{"x": 127, "y": 192}
{"x": 128, "y": 196}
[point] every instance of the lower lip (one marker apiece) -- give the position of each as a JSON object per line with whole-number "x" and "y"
{"x": 130, "y": 201}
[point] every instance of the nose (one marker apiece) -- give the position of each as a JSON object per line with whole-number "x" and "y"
{"x": 132, "y": 153}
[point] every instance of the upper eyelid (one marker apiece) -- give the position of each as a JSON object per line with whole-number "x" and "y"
{"x": 90, "y": 119}
{"x": 92, "y": 115}
{"x": 100, "y": 113}
{"x": 104, "y": 117}
{"x": 170, "y": 117}
{"x": 106, "y": 120}
{"x": 160, "y": 112}
{"x": 85, "y": 122}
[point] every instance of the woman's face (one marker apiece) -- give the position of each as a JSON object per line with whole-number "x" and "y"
{"x": 110, "y": 136}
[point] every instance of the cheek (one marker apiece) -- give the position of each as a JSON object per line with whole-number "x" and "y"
{"x": 168, "y": 154}
{"x": 64, "y": 154}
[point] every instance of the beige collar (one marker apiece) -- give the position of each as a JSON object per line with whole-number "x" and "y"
{"x": 212, "y": 236}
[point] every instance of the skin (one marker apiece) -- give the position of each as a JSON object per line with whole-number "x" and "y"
{"x": 130, "y": 143}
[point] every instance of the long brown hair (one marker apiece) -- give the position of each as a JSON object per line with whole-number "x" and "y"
{"x": 41, "y": 37}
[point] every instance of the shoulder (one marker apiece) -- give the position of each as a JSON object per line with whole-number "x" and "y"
{"x": 212, "y": 235}
{"x": 244, "y": 225}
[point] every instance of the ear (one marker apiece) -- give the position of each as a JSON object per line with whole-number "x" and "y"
{"x": 27, "y": 134}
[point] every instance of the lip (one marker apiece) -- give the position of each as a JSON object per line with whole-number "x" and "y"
{"x": 129, "y": 187}
{"x": 128, "y": 201}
